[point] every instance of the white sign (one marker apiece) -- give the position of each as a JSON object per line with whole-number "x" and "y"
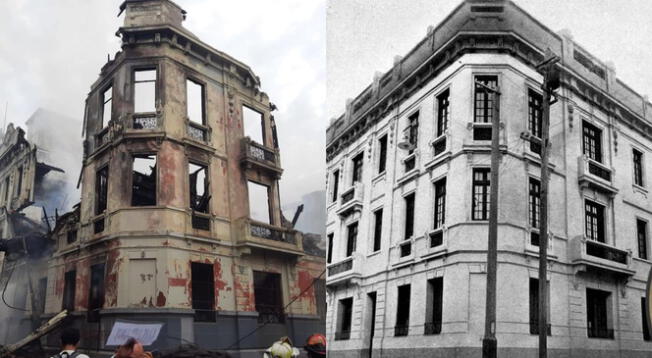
{"x": 145, "y": 333}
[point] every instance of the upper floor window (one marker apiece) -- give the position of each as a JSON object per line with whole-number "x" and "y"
{"x": 484, "y": 99}
{"x": 641, "y": 235}
{"x": 534, "y": 123}
{"x": 198, "y": 179}
{"x": 592, "y": 140}
{"x": 534, "y": 202}
{"x": 440, "y": 203}
{"x": 101, "y": 189}
{"x": 378, "y": 228}
{"x": 382, "y": 155}
{"x": 357, "y": 168}
{"x": 259, "y": 208}
{"x": 7, "y": 191}
{"x": 19, "y": 181}
{"x": 443, "y": 102}
{"x": 107, "y": 100}
{"x": 143, "y": 190}
{"x": 145, "y": 91}
{"x": 637, "y": 162}
{"x": 195, "y": 101}
{"x": 254, "y": 125}
{"x": 334, "y": 186}
{"x": 481, "y": 183}
{"x": 594, "y": 221}
{"x": 413, "y": 130}
{"x": 409, "y": 216}
{"x": 329, "y": 257}
{"x": 352, "y": 238}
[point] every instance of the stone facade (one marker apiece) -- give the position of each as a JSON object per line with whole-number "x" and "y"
{"x": 364, "y": 278}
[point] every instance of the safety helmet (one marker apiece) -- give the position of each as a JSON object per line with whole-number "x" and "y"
{"x": 281, "y": 349}
{"x": 316, "y": 344}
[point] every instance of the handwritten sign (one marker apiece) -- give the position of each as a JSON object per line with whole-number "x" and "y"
{"x": 145, "y": 333}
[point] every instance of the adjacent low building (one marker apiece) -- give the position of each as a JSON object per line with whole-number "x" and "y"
{"x": 408, "y": 199}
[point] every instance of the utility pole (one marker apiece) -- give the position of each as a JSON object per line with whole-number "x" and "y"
{"x": 550, "y": 83}
{"x": 489, "y": 341}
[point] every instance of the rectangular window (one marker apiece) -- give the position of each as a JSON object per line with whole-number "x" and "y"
{"x": 357, "y": 168}
{"x": 402, "y": 311}
{"x": 443, "y": 103}
{"x": 107, "y": 101}
{"x": 143, "y": 187}
{"x": 592, "y": 142}
{"x": 594, "y": 221}
{"x": 19, "y": 182}
{"x": 378, "y": 228}
{"x": 269, "y": 297}
{"x": 481, "y": 197}
{"x": 330, "y": 248}
{"x": 195, "y": 101}
{"x": 203, "y": 291}
{"x": 413, "y": 130}
{"x": 259, "y": 208}
{"x": 382, "y": 155}
{"x": 70, "y": 280}
{"x": 646, "y": 328}
{"x": 597, "y": 314}
{"x": 641, "y": 235}
{"x": 344, "y": 318}
{"x": 145, "y": 91}
{"x": 440, "y": 203}
{"x": 7, "y": 191}
{"x": 535, "y": 113}
{"x": 435, "y": 299}
{"x": 637, "y": 159}
{"x": 71, "y": 236}
{"x": 42, "y": 292}
{"x": 96, "y": 293}
{"x": 101, "y": 189}
{"x": 534, "y": 307}
{"x": 484, "y": 99}
{"x": 336, "y": 183}
{"x": 534, "y": 202}
{"x": 254, "y": 125}
{"x": 409, "y": 216}
{"x": 352, "y": 237}
{"x": 198, "y": 179}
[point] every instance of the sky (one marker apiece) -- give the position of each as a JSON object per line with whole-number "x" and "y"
{"x": 52, "y": 51}
{"x": 364, "y": 36}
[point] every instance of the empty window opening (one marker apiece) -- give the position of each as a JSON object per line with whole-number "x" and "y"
{"x": 371, "y": 317}
{"x": 336, "y": 182}
{"x": 352, "y": 237}
{"x": 96, "y": 292}
{"x": 409, "y": 216}
{"x": 329, "y": 258}
{"x": 644, "y": 325}
{"x": 434, "y": 308}
{"x": 641, "y": 235}
{"x": 203, "y": 291}
{"x": 145, "y": 91}
{"x": 19, "y": 181}
{"x": 344, "y": 318}
{"x": 378, "y": 228}
{"x": 7, "y": 191}
{"x": 402, "y": 311}
{"x": 269, "y": 297}
{"x": 534, "y": 307}
{"x": 443, "y": 103}
{"x": 42, "y": 293}
{"x": 382, "y": 155}
{"x": 481, "y": 197}
{"x": 598, "y": 314}
{"x": 71, "y": 236}
{"x": 440, "y": 203}
{"x": 594, "y": 221}
{"x": 107, "y": 100}
{"x": 144, "y": 180}
{"x": 637, "y": 158}
{"x": 199, "y": 195}
{"x": 259, "y": 208}
{"x": 592, "y": 142}
{"x": 70, "y": 280}
{"x": 101, "y": 190}
{"x": 195, "y": 101}
{"x": 254, "y": 125}
{"x": 357, "y": 168}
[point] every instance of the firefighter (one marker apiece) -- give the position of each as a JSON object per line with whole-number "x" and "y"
{"x": 281, "y": 349}
{"x": 316, "y": 346}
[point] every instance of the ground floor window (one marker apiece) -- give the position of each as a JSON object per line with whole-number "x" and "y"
{"x": 269, "y": 297}
{"x": 203, "y": 291}
{"x": 344, "y": 317}
{"x": 598, "y": 312}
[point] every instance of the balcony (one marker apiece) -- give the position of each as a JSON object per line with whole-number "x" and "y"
{"x": 595, "y": 175}
{"x": 255, "y": 155}
{"x": 591, "y": 255}
{"x": 351, "y": 200}
{"x": 258, "y": 235}
{"x": 343, "y": 272}
{"x": 146, "y": 121}
{"x": 197, "y": 132}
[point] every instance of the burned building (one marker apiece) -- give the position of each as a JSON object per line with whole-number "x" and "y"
{"x": 180, "y": 219}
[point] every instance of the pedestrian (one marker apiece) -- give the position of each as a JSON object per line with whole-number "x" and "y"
{"x": 69, "y": 341}
{"x": 132, "y": 349}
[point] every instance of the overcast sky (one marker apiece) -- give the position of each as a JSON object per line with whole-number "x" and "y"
{"x": 52, "y": 51}
{"x": 365, "y": 35}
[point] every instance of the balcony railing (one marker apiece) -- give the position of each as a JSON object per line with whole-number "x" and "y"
{"x": 439, "y": 145}
{"x": 270, "y": 233}
{"x": 145, "y": 121}
{"x": 102, "y": 137}
{"x": 595, "y": 174}
{"x": 343, "y": 266}
{"x": 604, "y": 251}
{"x": 351, "y": 199}
{"x": 257, "y": 154}
{"x": 197, "y": 132}
{"x": 587, "y": 253}
{"x": 432, "y": 328}
{"x": 270, "y": 314}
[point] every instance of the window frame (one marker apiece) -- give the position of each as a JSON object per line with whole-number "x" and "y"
{"x": 202, "y": 86}
{"x": 643, "y": 250}
{"x": 598, "y": 229}
{"x": 535, "y": 118}
{"x": 351, "y": 240}
{"x": 156, "y": 191}
{"x": 269, "y": 200}
{"x": 410, "y": 212}
{"x": 262, "y": 127}
{"x": 104, "y": 122}
{"x": 377, "y": 229}
{"x": 485, "y": 186}
{"x": 207, "y": 189}
{"x": 592, "y": 136}
{"x": 442, "y": 99}
{"x": 382, "y": 153}
{"x": 487, "y": 116}
{"x": 357, "y": 171}
{"x": 439, "y": 188}
{"x": 101, "y": 197}
{"x": 335, "y": 185}
{"x": 638, "y": 167}
{"x": 156, "y": 80}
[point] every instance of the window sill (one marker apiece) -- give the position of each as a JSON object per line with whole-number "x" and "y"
{"x": 408, "y": 176}
{"x": 378, "y": 177}
{"x": 639, "y": 189}
{"x": 375, "y": 253}
{"x": 647, "y": 261}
